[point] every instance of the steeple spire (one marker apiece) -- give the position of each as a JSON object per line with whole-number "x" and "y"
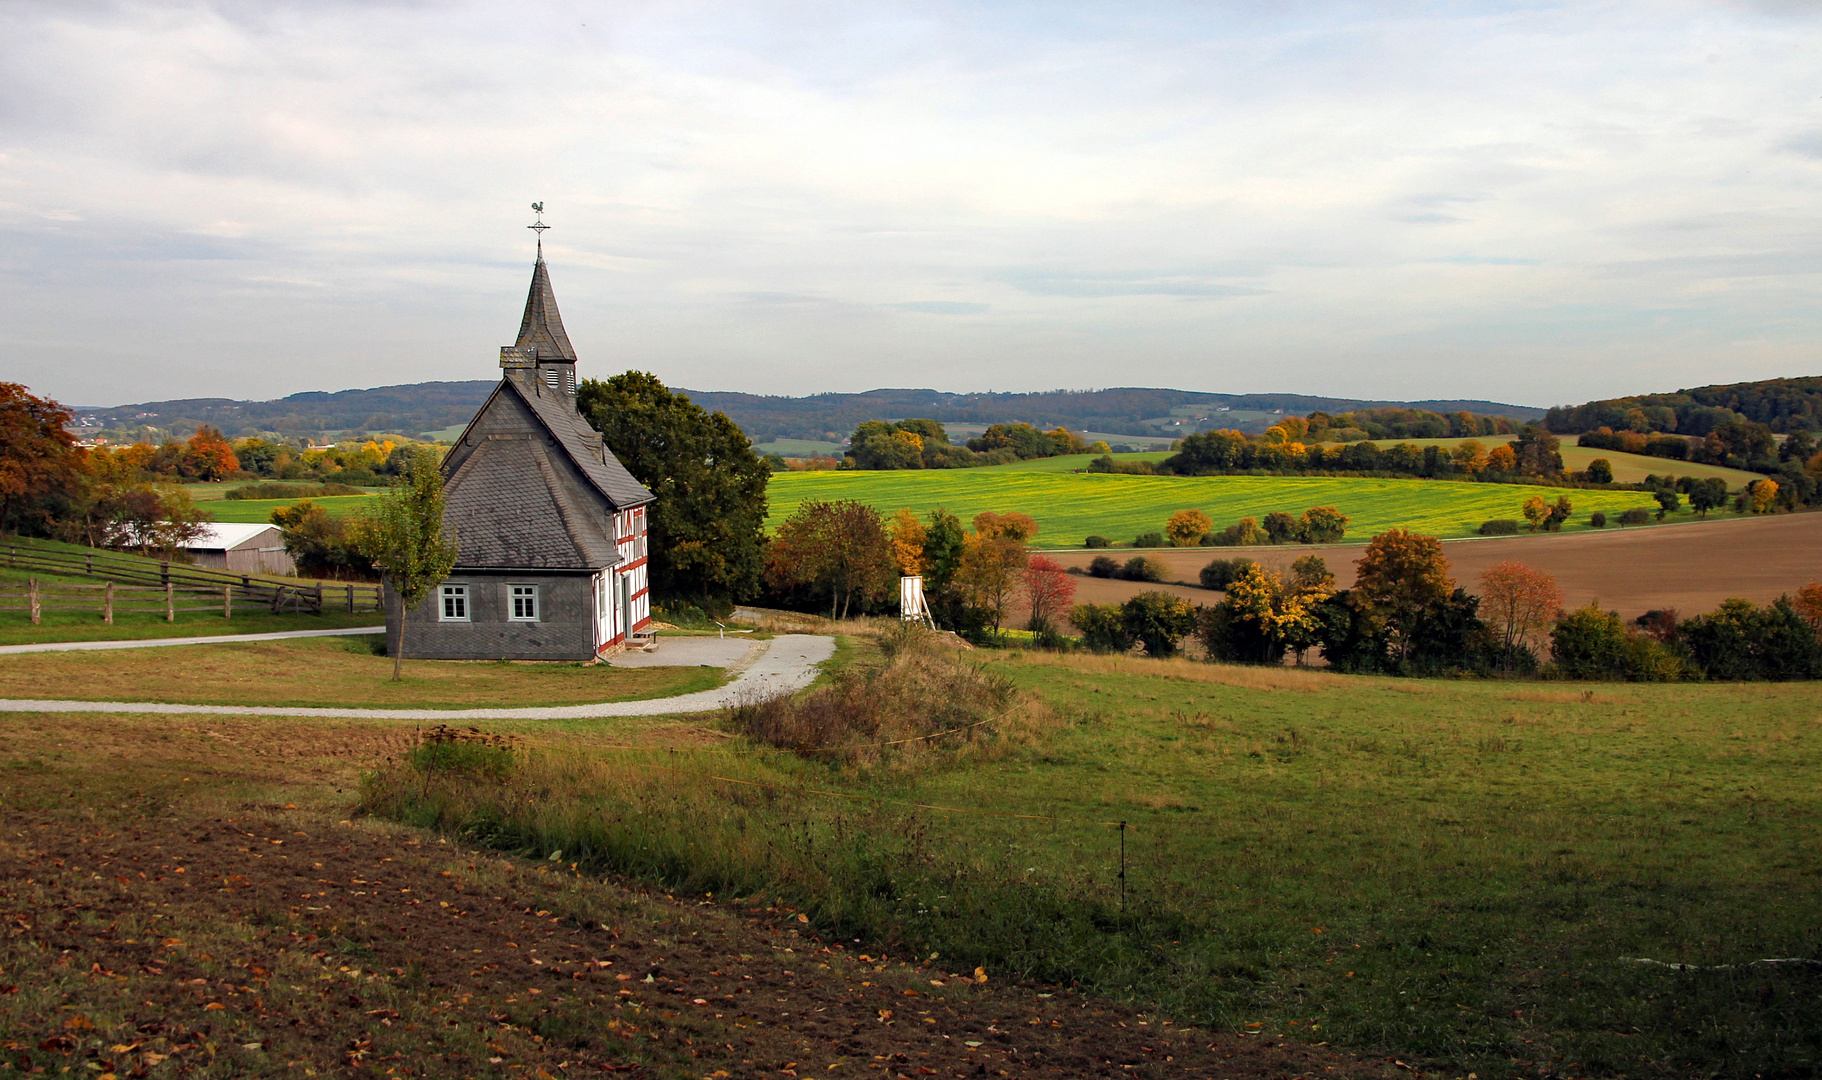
{"x": 542, "y": 326}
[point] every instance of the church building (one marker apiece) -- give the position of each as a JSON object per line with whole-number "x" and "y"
{"x": 551, "y": 528}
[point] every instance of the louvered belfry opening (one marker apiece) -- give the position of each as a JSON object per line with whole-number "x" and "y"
{"x": 542, "y": 359}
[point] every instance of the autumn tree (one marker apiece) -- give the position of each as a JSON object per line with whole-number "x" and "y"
{"x": 1536, "y": 511}
{"x": 208, "y": 456}
{"x": 1471, "y": 458}
{"x": 1520, "y": 602}
{"x": 1047, "y": 591}
{"x": 1764, "y": 495}
{"x": 1402, "y": 577}
{"x": 908, "y": 537}
{"x": 1706, "y": 495}
{"x": 1186, "y": 528}
{"x": 1322, "y": 525}
{"x": 839, "y": 546}
{"x": 1266, "y": 614}
{"x": 993, "y": 562}
{"x": 1502, "y": 459}
{"x": 37, "y": 455}
{"x": 1808, "y": 603}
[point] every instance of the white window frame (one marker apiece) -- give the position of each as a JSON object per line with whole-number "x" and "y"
{"x": 514, "y": 598}
{"x": 462, "y": 603}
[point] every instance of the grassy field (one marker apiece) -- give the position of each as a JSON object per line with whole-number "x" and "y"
{"x": 259, "y": 511}
{"x": 331, "y": 672}
{"x": 1071, "y": 506}
{"x": 1473, "y": 876}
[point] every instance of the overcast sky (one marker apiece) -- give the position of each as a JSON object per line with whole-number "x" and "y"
{"x": 1535, "y": 203}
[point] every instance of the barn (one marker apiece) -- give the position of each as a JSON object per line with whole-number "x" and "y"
{"x": 551, "y": 528}
{"x": 242, "y": 549}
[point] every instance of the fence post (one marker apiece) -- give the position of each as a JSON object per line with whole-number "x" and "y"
{"x": 351, "y": 599}
{"x": 89, "y": 563}
{"x": 227, "y": 601}
{"x": 34, "y": 601}
{"x": 319, "y": 598}
{"x": 107, "y": 611}
{"x": 170, "y": 603}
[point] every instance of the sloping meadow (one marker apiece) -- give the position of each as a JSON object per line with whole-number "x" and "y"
{"x": 1483, "y": 876}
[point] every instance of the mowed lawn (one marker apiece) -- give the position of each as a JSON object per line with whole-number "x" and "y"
{"x": 1071, "y": 506}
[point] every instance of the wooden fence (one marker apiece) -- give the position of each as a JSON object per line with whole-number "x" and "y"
{"x": 274, "y": 594}
{"x": 109, "y": 598}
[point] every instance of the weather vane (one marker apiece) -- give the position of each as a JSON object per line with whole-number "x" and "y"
{"x": 538, "y": 208}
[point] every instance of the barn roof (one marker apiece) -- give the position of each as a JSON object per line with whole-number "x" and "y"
{"x": 542, "y": 325}
{"x": 224, "y": 535}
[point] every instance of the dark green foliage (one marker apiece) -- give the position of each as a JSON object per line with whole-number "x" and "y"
{"x": 1103, "y": 566}
{"x": 1103, "y": 629}
{"x": 1281, "y": 527}
{"x": 1780, "y": 404}
{"x": 1537, "y": 452}
{"x": 1597, "y": 520}
{"x": 1148, "y": 540}
{"x": 1219, "y": 573}
{"x": 1708, "y": 494}
{"x": 1159, "y": 621}
{"x": 1600, "y": 471}
{"x": 1669, "y": 502}
{"x": 1499, "y": 527}
{"x": 708, "y": 524}
{"x": 1589, "y": 643}
{"x": 1097, "y": 542}
{"x": 1142, "y": 568}
{"x": 1739, "y": 641}
{"x": 1638, "y": 515}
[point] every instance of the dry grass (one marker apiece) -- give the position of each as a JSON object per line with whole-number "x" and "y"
{"x": 1236, "y": 675}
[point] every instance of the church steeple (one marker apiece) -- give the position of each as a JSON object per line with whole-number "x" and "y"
{"x": 542, "y": 358}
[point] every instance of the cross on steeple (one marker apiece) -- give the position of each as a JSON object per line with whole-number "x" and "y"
{"x": 539, "y": 226}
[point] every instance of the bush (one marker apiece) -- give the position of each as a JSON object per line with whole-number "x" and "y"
{"x": 1103, "y": 566}
{"x": 1102, "y": 628}
{"x": 922, "y": 689}
{"x": 1638, "y": 515}
{"x": 1148, "y": 540}
{"x": 1589, "y": 643}
{"x": 1499, "y": 527}
{"x": 1158, "y": 620}
{"x": 1221, "y": 572}
{"x": 1600, "y": 471}
{"x": 1097, "y": 542}
{"x": 1597, "y": 520}
{"x": 1142, "y": 568}
{"x": 1243, "y": 533}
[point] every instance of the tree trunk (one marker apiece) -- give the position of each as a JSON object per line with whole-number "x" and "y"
{"x": 398, "y": 652}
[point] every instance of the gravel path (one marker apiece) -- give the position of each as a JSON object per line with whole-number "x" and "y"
{"x": 790, "y": 663}
{"x": 211, "y": 639}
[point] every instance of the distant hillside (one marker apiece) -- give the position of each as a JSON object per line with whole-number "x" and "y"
{"x": 407, "y": 409}
{"x": 414, "y": 408}
{"x": 1783, "y": 404}
{"x": 1121, "y": 411}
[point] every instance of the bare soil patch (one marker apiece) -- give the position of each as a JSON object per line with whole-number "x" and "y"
{"x": 1691, "y": 567}
{"x": 165, "y": 914}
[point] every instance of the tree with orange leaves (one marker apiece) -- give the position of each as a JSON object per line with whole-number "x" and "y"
{"x": 1402, "y": 577}
{"x": 207, "y": 456}
{"x": 908, "y": 535}
{"x": 1520, "y": 602}
{"x": 1808, "y": 603}
{"x": 36, "y": 454}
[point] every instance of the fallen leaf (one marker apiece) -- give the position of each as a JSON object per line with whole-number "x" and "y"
{"x": 980, "y": 974}
{"x": 213, "y": 1005}
{"x": 803, "y": 918}
{"x": 79, "y": 1022}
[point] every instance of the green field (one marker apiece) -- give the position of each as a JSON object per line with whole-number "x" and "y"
{"x": 260, "y": 510}
{"x": 799, "y": 448}
{"x": 1465, "y": 875}
{"x": 1071, "y": 506}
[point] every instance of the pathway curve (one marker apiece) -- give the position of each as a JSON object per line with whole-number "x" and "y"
{"x": 210, "y": 639}
{"x": 789, "y": 663}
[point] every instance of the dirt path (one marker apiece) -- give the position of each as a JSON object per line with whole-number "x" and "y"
{"x": 157, "y": 918}
{"x": 1688, "y": 567}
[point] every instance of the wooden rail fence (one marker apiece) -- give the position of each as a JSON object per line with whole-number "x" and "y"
{"x": 275, "y": 594}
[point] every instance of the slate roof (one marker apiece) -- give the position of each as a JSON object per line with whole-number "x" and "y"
{"x": 542, "y": 325}
{"x": 512, "y": 511}
{"x": 584, "y": 447}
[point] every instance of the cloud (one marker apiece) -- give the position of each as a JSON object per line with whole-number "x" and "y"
{"x": 252, "y": 199}
{"x": 940, "y": 307}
